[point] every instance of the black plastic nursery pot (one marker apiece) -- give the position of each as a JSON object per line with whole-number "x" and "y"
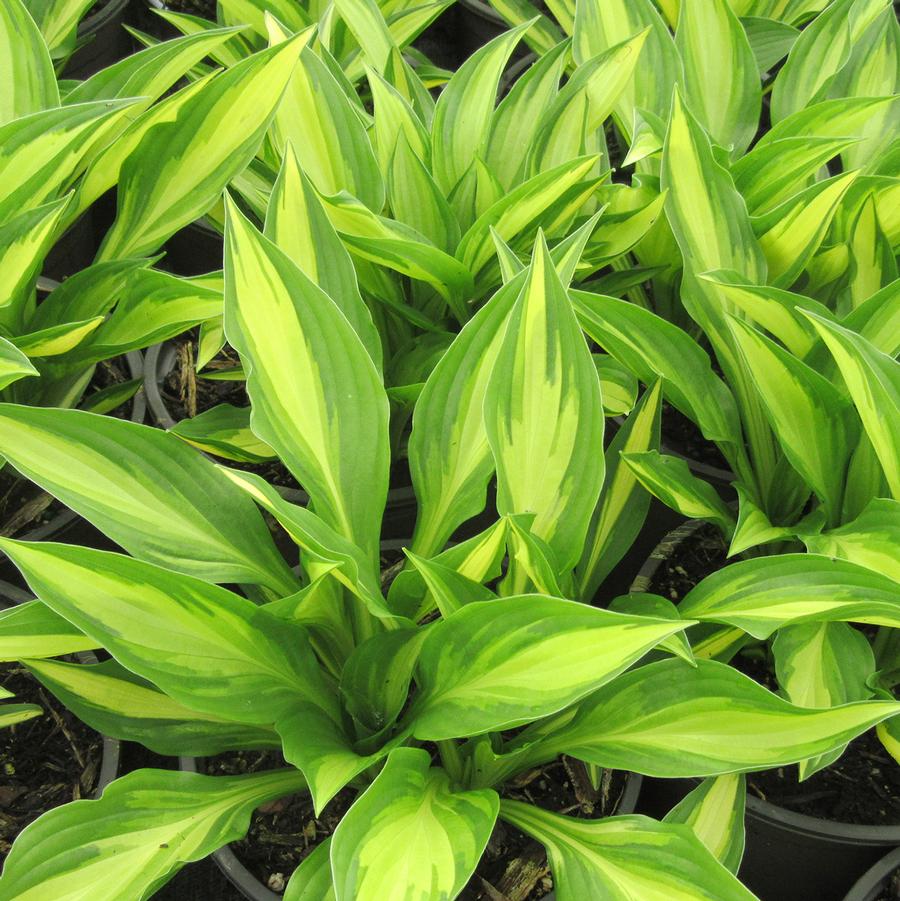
{"x": 877, "y": 881}
{"x": 104, "y": 39}
{"x": 195, "y": 250}
{"x": 111, "y": 749}
{"x": 788, "y": 856}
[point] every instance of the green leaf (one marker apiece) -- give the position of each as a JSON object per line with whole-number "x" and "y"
{"x": 28, "y": 79}
{"x": 618, "y": 385}
{"x": 871, "y": 540}
{"x": 180, "y": 167}
{"x": 543, "y": 415}
{"x": 33, "y": 630}
{"x": 312, "y": 881}
{"x": 769, "y": 39}
{"x": 715, "y": 812}
{"x": 807, "y": 413}
{"x": 653, "y": 348}
{"x": 499, "y": 664}
{"x": 625, "y": 857}
{"x": 225, "y": 431}
{"x": 118, "y": 703}
{"x": 12, "y": 714}
{"x": 762, "y": 594}
{"x": 319, "y": 121}
{"x": 823, "y": 665}
{"x": 450, "y": 589}
{"x": 14, "y": 364}
{"x": 204, "y": 646}
{"x": 317, "y": 398}
{"x": 411, "y": 829}
{"x": 144, "y": 828}
{"x": 623, "y": 505}
{"x": 873, "y": 380}
{"x": 298, "y": 224}
{"x": 672, "y": 720}
{"x": 462, "y": 115}
{"x": 715, "y": 51}
{"x": 645, "y": 604}
{"x": 671, "y": 480}
{"x": 110, "y": 472}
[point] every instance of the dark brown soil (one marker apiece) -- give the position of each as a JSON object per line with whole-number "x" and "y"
{"x": 681, "y": 435}
{"x": 705, "y": 553}
{"x": 862, "y": 787}
{"x": 891, "y": 891}
{"x": 186, "y": 394}
{"x": 514, "y": 867}
{"x": 46, "y": 761}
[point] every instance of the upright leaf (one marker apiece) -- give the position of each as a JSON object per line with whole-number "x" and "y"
{"x": 27, "y": 80}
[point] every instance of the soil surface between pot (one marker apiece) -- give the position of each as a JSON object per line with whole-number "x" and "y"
{"x": 46, "y": 761}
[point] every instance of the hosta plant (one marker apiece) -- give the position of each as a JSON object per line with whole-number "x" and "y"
{"x": 425, "y": 700}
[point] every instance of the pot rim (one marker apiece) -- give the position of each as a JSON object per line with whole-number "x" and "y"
{"x": 825, "y": 830}
{"x": 243, "y": 880}
{"x": 111, "y": 752}
{"x": 872, "y": 880}
{"x": 95, "y": 22}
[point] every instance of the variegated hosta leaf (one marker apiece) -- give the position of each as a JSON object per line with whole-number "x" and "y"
{"x": 871, "y": 540}
{"x": 317, "y": 398}
{"x": 27, "y": 76}
{"x": 180, "y": 167}
{"x": 766, "y": 593}
{"x": 463, "y": 112}
{"x": 120, "y": 704}
{"x": 14, "y": 364}
{"x": 670, "y": 479}
{"x": 601, "y": 24}
{"x": 204, "y": 646}
{"x": 411, "y": 830}
{"x": 873, "y": 381}
{"x": 312, "y": 881}
{"x": 625, "y": 857}
{"x": 331, "y": 143}
{"x": 110, "y": 472}
{"x": 131, "y": 841}
{"x": 449, "y": 588}
{"x": 12, "y": 714}
{"x": 499, "y": 664}
{"x": 297, "y": 223}
{"x": 807, "y": 413}
{"x": 40, "y": 153}
{"x": 653, "y": 348}
{"x": 225, "y": 432}
{"x": 674, "y": 720}
{"x": 769, "y": 39}
{"x": 34, "y": 630}
{"x": 395, "y": 116}
{"x": 715, "y": 51}
{"x": 715, "y": 812}
{"x": 823, "y": 665}
{"x": 543, "y": 415}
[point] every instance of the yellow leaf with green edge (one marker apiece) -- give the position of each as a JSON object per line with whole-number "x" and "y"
{"x": 462, "y": 115}
{"x": 543, "y": 414}
{"x": 180, "y": 167}
{"x": 12, "y": 714}
{"x": 601, "y": 24}
{"x": 394, "y": 116}
{"x": 623, "y": 503}
{"x": 807, "y": 413}
{"x": 143, "y": 829}
{"x": 763, "y": 594}
{"x": 26, "y": 70}
{"x": 873, "y": 381}
{"x": 791, "y": 233}
{"x": 115, "y": 702}
{"x": 317, "y": 398}
{"x": 33, "y": 630}
{"x": 410, "y": 828}
{"x": 673, "y": 720}
{"x": 58, "y": 339}
{"x": 109, "y": 471}
{"x": 41, "y": 152}
{"x": 871, "y": 540}
{"x": 715, "y": 51}
{"x": 625, "y": 857}
{"x": 499, "y": 664}
{"x": 715, "y": 812}
{"x": 330, "y": 141}
{"x": 297, "y": 222}
{"x": 224, "y": 431}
